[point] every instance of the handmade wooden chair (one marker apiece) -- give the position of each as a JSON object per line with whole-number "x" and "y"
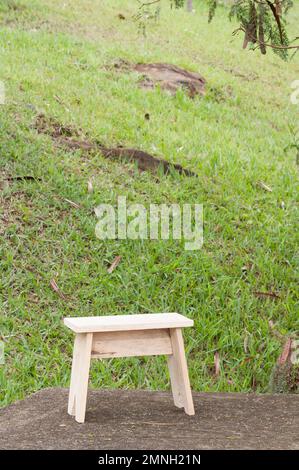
{"x": 125, "y": 336}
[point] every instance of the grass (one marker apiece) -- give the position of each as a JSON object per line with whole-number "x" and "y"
{"x": 55, "y": 58}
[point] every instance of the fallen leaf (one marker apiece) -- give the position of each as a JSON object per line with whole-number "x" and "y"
{"x": 72, "y": 203}
{"x": 217, "y": 363}
{"x": 60, "y": 101}
{"x": 264, "y": 186}
{"x": 56, "y": 289}
{"x": 90, "y": 186}
{"x": 266, "y": 294}
{"x": 285, "y": 352}
{"x": 114, "y": 264}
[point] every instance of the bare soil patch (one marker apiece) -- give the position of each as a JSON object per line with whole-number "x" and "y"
{"x": 171, "y": 78}
{"x": 73, "y": 139}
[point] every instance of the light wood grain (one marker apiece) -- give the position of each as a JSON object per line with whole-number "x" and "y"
{"x": 127, "y": 336}
{"x": 131, "y": 343}
{"x": 179, "y": 373}
{"x": 74, "y": 375}
{"x": 177, "y": 393}
{"x": 148, "y": 321}
{"x": 80, "y": 375}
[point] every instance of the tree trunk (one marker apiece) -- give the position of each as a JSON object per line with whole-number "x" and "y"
{"x": 189, "y": 5}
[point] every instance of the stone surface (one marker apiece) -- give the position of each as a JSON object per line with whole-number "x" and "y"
{"x": 127, "y": 419}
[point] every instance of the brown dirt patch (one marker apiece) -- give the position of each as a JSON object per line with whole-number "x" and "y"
{"x": 73, "y": 139}
{"x": 171, "y": 78}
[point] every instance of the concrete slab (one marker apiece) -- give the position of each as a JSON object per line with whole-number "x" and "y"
{"x": 118, "y": 419}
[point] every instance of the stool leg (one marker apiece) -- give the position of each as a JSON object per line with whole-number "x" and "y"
{"x": 175, "y": 386}
{"x": 179, "y": 373}
{"x": 76, "y": 354}
{"x": 80, "y": 375}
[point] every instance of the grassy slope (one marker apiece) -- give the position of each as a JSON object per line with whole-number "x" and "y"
{"x": 232, "y": 138}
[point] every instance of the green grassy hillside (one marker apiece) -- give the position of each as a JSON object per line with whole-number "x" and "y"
{"x": 56, "y": 58}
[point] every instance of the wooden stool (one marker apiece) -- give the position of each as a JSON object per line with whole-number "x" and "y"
{"x": 124, "y": 336}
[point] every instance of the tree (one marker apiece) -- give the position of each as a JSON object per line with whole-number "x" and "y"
{"x": 263, "y": 22}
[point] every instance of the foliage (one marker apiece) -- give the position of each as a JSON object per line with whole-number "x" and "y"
{"x": 262, "y": 21}
{"x": 177, "y": 3}
{"x": 212, "y": 9}
{"x": 147, "y": 11}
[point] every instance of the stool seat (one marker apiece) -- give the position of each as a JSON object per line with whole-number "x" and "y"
{"x": 114, "y": 336}
{"x": 148, "y": 321}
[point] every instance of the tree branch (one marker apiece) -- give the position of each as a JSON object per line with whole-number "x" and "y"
{"x": 266, "y": 44}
